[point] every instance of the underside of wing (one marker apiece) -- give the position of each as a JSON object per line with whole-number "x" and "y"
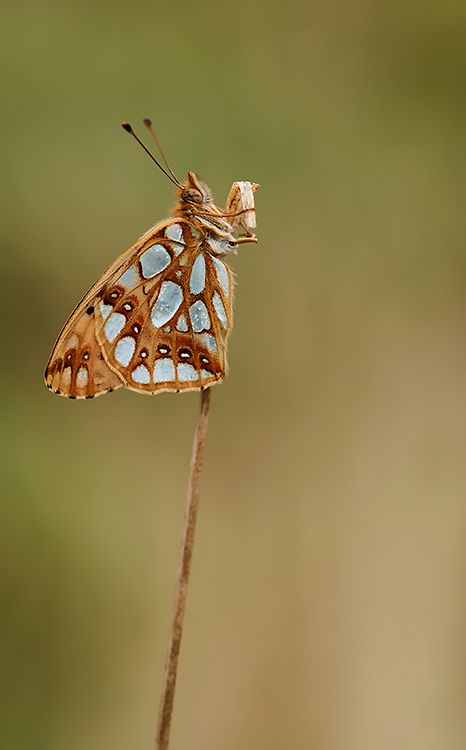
{"x": 77, "y": 367}
{"x": 157, "y": 320}
{"x": 163, "y": 324}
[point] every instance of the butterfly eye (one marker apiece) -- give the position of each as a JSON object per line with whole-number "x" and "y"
{"x": 232, "y": 244}
{"x": 190, "y": 195}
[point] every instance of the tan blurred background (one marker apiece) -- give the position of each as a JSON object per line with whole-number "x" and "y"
{"x": 328, "y": 600}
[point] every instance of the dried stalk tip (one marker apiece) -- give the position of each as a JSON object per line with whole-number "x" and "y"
{"x": 240, "y": 203}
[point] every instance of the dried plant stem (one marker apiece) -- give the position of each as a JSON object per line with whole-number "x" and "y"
{"x": 192, "y": 502}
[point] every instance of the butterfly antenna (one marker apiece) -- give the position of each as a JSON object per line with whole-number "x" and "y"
{"x": 126, "y": 126}
{"x": 148, "y": 123}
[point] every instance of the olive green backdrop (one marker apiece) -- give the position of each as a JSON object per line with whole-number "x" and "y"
{"x": 328, "y": 601}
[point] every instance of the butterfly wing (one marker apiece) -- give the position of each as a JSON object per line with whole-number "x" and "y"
{"x": 158, "y": 319}
{"x": 163, "y": 324}
{"x": 77, "y": 366}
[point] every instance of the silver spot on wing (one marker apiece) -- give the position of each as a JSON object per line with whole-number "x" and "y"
{"x": 222, "y": 275}
{"x": 199, "y": 315}
{"x": 186, "y": 372}
{"x": 124, "y": 350}
{"x": 113, "y": 326}
{"x": 154, "y": 260}
{"x": 167, "y": 303}
{"x": 164, "y": 370}
{"x": 141, "y": 374}
{"x": 219, "y": 309}
{"x": 197, "y": 278}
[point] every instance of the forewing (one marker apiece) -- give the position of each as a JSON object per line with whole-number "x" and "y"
{"x": 77, "y": 367}
{"x": 163, "y": 324}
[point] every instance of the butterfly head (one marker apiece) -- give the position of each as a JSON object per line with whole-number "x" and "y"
{"x": 194, "y": 191}
{"x": 196, "y": 202}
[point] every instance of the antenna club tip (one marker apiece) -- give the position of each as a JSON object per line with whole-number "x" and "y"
{"x": 126, "y": 126}
{"x": 147, "y": 122}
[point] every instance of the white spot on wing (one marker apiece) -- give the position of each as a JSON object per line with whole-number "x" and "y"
{"x": 141, "y": 374}
{"x": 222, "y": 275}
{"x": 174, "y": 232}
{"x": 209, "y": 342}
{"x": 197, "y": 278}
{"x": 66, "y": 377}
{"x": 154, "y": 260}
{"x": 168, "y": 302}
{"x": 186, "y": 372}
{"x": 82, "y": 377}
{"x": 219, "y": 309}
{"x": 206, "y": 374}
{"x": 181, "y": 324}
{"x": 105, "y": 310}
{"x": 113, "y": 326}
{"x": 124, "y": 350}
{"x": 72, "y": 341}
{"x": 199, "y": 315}
{"x": 129, "y": 278}
{"x": 164, "y": 370}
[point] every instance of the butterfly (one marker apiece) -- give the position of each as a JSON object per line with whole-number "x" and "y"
{"x": 159, "y": 317}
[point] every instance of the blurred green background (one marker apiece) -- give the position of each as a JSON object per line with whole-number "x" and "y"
{"x": 328, "y": 600}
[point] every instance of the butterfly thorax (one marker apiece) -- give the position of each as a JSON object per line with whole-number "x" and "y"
{"x": 195, "y": 205}
{"x": 205, "y": 217}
